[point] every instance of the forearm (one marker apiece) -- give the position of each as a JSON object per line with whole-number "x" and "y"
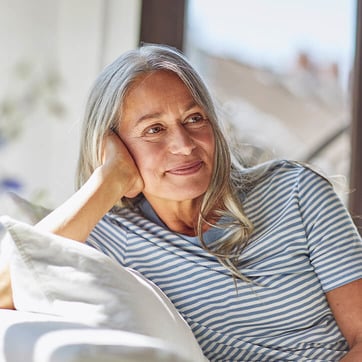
{"x": 76, "y": 217}
{"x": 355, "y": 353}
{"x": 346, "y": 305}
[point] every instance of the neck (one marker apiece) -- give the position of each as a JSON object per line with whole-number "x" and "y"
{"x": 179, "y": 216}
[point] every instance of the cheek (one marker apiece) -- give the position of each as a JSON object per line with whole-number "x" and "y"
{"x": 208, "y": 143}
{"x": 146, "y": 157}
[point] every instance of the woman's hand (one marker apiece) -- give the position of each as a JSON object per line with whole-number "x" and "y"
{"x": 118, "y": 163}
{"x": 115, "y": 178}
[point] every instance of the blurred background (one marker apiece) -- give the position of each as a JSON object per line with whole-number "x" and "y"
{"x": 283, "y": 74}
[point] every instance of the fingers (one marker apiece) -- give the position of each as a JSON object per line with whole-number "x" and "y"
{"x": 6, "y": 295}
{"x": 112, "y": 145}
{"x": 116, "y": 156}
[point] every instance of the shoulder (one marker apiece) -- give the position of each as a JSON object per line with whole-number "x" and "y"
{"x": 279, "y": 171}
{"x": 282, "y": 166}
{"x": 279, "y": 180}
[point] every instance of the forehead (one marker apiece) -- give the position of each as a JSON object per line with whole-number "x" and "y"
{"x": 157, "y": 89}
{"x": 156, "y": 81}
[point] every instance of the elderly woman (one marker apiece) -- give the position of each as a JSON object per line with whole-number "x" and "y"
{"x": 264, "y": 263}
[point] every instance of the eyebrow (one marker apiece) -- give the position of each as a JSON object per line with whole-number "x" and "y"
{"x": 154, "y": 115}
{"x": 149, "y": 116}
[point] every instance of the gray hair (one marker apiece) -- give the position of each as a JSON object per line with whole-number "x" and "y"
{"x": 104, "y": 110}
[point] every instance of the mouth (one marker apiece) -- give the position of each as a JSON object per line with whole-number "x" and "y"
{"x": 186, "y": 169}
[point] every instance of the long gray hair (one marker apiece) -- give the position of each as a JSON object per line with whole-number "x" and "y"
{"x": 104, "y": 110}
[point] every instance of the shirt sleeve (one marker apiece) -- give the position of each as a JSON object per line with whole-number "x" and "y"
{"x": 109, "y": 238}
{"x": 334, "y": 243}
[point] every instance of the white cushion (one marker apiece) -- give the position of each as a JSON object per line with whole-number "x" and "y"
{"x": 34, "y": 337}
{"x": 61, "y": 277}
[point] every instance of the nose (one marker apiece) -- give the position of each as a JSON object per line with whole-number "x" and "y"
{"x": 180, "y": 141}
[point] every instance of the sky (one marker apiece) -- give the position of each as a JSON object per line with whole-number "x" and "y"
{"x": 270, "y": 32}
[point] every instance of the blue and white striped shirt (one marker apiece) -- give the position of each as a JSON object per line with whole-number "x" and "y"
{"x": 304, "y": 245}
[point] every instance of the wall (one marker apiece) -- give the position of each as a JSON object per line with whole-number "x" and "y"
{"x": 64, "y": 40}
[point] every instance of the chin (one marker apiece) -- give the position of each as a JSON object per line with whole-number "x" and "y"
{"x": 177, "y": 191}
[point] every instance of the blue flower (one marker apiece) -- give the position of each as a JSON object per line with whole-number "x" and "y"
{"x": 10, "y": 184}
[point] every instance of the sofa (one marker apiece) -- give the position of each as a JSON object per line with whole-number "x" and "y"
{"x": 74, "y": 303}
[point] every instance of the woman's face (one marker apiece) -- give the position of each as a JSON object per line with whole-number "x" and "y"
{"x": 169, "y": 137}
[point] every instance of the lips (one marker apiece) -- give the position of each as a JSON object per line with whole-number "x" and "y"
{"x": 186, "y": 169}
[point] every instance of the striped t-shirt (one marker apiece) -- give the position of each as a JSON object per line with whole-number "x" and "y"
{"x": 304, "y": 245}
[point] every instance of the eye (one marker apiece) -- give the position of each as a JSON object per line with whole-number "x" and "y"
{"x": 195, "y": 119}
{"x": 153, "y": 130}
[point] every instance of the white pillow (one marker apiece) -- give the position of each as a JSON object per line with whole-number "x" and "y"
{"x": 35, "y": 337}
{"x": 62, "y": 277}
